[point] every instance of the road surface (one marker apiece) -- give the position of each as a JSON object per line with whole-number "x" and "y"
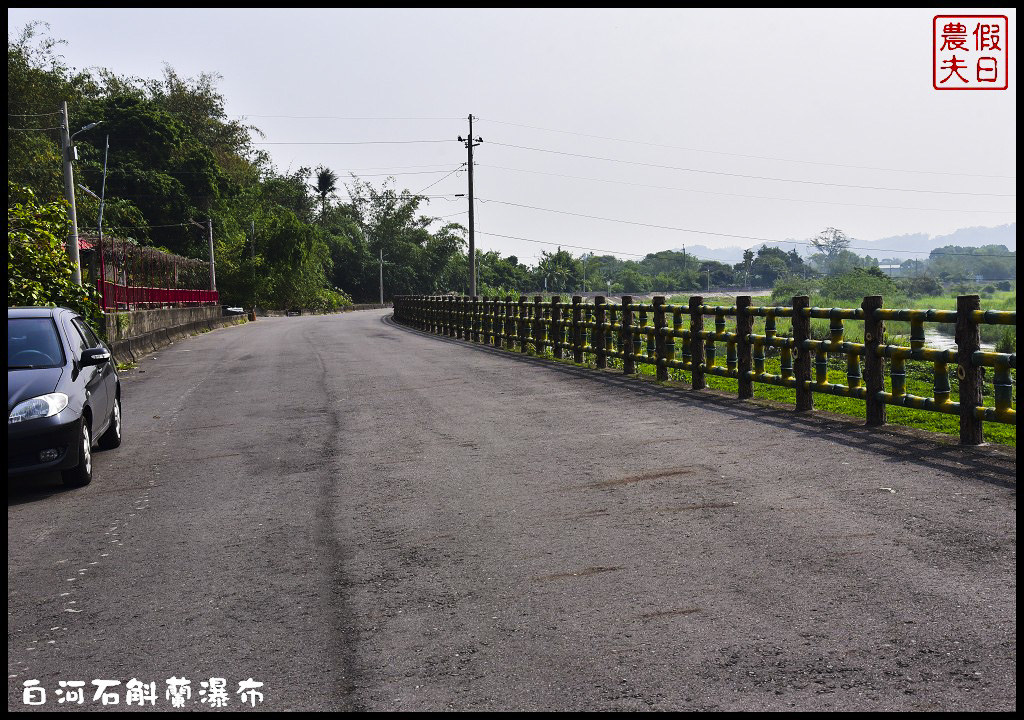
{"x": 362, "y": 516}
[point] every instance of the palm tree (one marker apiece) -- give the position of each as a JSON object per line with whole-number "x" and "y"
{"x": 326, "y": 183}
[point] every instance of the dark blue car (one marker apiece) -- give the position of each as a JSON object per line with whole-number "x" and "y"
{"x": 63, "y": 394}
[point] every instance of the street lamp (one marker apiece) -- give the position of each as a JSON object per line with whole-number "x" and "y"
{"x": 69, "y": 154}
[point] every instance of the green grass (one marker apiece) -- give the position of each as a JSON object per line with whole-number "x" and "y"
{"x": 920, "y": 374}
{"x": 920, "y": 378}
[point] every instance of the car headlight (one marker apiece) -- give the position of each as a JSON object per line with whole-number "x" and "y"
{"x": 43, "y": 406}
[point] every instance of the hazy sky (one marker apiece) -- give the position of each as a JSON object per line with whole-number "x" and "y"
{"x": 736, "y": 122}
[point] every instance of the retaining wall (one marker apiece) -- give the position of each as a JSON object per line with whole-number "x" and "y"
{"x": 131, "y": 335}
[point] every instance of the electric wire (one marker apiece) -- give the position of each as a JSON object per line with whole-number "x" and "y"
{"x": 718, "y": 234}
{"x": 460, "y": 167}
{"x": 757, "y": 197}
{"x": 749, "y": 177}
{"x": 743, "y": 155}
{"x": 55, "y": 112}
{"x": 356, "y": 142}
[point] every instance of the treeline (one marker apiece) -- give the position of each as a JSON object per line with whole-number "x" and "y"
{"x": 281, "y": 239}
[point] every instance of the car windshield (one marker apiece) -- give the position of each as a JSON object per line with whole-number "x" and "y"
{"x": 32, "y": 343}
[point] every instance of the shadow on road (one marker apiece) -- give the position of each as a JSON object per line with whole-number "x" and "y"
{"x": 991, "y": 464}
{"x": 32, "y": 488}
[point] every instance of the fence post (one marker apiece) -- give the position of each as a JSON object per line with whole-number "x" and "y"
{"x": 578, "y": 333}
{"x": 599, "y": 342}
{"x": 874, "y": 364}
{"x": 510, "y": 329}
{"x": 538, "y": 325}
{"x": 523, "y": 329}
{"x": 802, "y": 359}
{"x": 485, "y": 320}
{"x": 497, "y": 316}
{"x": 968, "y": 342}
{"x": 660, "y": 326}
{"x": 626, "y": 336}
{"x": 744, "y": 361}
{"x": 557, "y": 333}
{"x": 697, "y": 342}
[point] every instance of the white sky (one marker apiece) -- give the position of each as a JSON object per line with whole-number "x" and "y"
{"x": 842, "y": 87}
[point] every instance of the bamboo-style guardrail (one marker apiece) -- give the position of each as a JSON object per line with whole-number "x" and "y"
{"x": 653, "y": 334}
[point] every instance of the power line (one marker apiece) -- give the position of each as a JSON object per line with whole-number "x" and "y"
{"x": 359, "y": 142}
{"x": 758, "y": 197}
{"x": 750, "y": 177}
{"x": 719, "y": 234}
{"x": 560, "y": 244}
{"x": 441, "y": 179}
{"x": 46, "y": 128}
{"x": 756, "y": 157}
{"x": 55, "y": 112}
{"x": 337, "y": 117}
{"x": 421, "y": 172}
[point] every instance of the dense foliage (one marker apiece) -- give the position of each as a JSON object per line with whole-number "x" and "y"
{"x": 281, "y": 239}
{"x": 38, "y": 269}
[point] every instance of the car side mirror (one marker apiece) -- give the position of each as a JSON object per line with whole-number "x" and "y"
{"x": 95, "y": 356}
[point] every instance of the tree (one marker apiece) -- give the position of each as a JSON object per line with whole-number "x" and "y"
{"x": 38, "y": 268}
{"x": 831, "y": 244}
{"x": 560, "y": 269}
{"x": 326, "y": 184}
{"x": 830, "y": 241}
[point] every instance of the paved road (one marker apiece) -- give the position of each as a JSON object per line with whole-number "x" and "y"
{"x": 362, "y": 516}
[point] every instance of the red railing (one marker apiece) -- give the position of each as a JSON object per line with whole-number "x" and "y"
{"x": 116, "y": 296}
{"x": 130, "y": 276}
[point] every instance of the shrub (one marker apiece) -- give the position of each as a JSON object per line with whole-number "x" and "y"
{"x": 921, "y": 286}
{"x": 38, "y": 268}
{"x": 1007, "y": 342}
{"x": 858, "y": 283}
{"x": 789, "y": 286}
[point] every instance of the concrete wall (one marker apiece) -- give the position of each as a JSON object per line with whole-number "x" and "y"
{"x": 350, "y": 308}
{"x": 131, "y": 335}
{"x": 135, "y": 323}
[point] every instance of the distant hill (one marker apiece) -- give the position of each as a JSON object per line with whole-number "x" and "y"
{"x": 910, "y": 246}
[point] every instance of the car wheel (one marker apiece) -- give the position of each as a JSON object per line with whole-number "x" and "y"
{"x": 82, "y": 475}
{"x": 112, "y": 437}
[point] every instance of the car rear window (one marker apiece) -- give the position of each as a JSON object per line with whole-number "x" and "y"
{"x": 33, "y": 343}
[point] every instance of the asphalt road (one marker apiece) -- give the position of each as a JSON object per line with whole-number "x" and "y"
{"x": 362, "y": 516}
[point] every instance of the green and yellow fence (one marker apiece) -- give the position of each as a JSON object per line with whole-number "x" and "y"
{"x": 654, "y": 334}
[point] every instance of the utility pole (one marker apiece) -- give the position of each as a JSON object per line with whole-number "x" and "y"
{"x": 69, "y": 193}
{"x": 103, "y": 190}
{"x": 471, "y": 142}
{"x": 213, "y": 271}
{"x": 382, "y": 276}
{"x": 252, "y": 255}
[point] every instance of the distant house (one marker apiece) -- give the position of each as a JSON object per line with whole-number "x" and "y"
{"x": 892, "y": 270}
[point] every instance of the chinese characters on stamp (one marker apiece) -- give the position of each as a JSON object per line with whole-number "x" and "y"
{"x": 970, "y": 52}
